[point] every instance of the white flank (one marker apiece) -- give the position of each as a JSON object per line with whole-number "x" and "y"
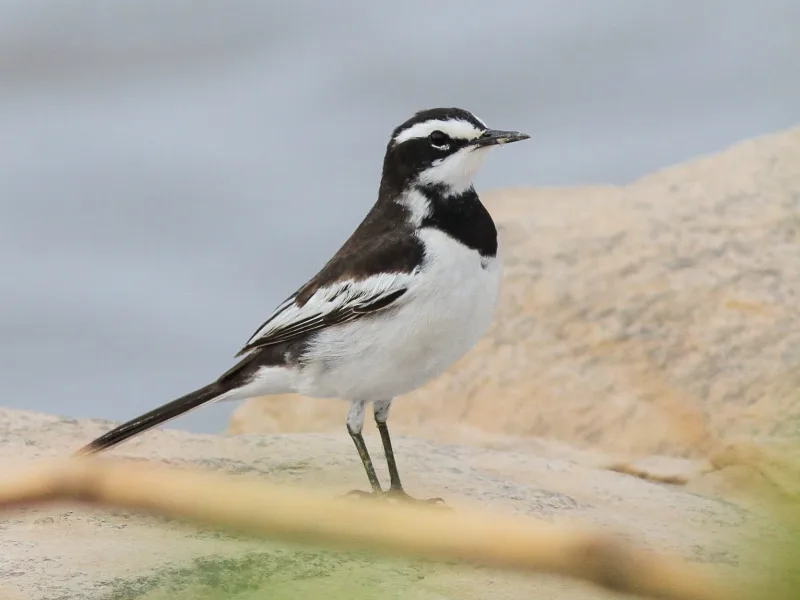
{"x": 449, "y": 304}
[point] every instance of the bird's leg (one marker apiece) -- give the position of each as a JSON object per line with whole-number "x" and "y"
{"x": 395, "y": 487}
{"x": 381, "y": 410}
{"x": 355, "y": 423}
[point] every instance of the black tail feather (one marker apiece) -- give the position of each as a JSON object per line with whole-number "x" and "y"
{"x": 155, "y": 417}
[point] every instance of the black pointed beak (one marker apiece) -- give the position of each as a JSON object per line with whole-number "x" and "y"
{"x": 492, "y": 137}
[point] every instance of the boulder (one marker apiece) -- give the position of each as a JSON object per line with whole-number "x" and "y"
{"x": 68, "y": 552}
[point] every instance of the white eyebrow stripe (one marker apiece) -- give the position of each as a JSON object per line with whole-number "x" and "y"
{"x": 455, "y": 128}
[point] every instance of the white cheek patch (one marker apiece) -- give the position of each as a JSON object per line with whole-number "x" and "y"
{"x": 454, "y": 128}
{"x": 455, "y": 171}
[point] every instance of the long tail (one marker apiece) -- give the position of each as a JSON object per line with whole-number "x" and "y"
{"x": 156, "y": 417}
{"x": 231, "y": 385}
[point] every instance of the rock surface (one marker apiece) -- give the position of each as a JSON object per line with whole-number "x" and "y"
{"x": 67, "y": 553}
{"x": 645, "y": 330}
{"x": 656, "y": 317}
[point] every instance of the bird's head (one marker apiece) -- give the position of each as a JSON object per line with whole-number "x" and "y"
{"x": 442, "y": 147}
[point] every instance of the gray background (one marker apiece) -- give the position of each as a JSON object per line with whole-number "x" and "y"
{"x": 171, "y": 170}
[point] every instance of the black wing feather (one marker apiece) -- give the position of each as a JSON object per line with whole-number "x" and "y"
{"x": 398, "y": 252}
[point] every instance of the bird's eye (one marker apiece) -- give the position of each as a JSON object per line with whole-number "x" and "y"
{"x": 438, "y": 138}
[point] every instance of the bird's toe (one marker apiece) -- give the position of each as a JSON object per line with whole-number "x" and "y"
{"x": 402, "y": 496}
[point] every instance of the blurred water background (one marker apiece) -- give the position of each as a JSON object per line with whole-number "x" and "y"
{"x": 170, "y": 170}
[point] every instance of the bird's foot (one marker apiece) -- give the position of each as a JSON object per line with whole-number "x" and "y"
{"x": 397, "y": 495}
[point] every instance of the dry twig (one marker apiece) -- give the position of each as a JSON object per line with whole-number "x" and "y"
{"x": 256, "y": 507}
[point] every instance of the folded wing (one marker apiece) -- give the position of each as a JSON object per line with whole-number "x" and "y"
{"x": 355, "y": 282}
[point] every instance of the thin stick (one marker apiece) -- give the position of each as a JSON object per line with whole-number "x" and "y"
{"x": 256, "y": 507}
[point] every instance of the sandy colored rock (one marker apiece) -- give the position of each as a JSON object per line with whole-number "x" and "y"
{"x": 657, "y": 317}
{"x": 752, "y": 470}
{"x": 65, "y": 552}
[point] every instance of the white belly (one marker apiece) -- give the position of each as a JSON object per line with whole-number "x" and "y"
{"x": 443, "y": 314}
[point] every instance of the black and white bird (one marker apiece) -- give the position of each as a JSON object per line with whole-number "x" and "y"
{"x": 410, "y": 292}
